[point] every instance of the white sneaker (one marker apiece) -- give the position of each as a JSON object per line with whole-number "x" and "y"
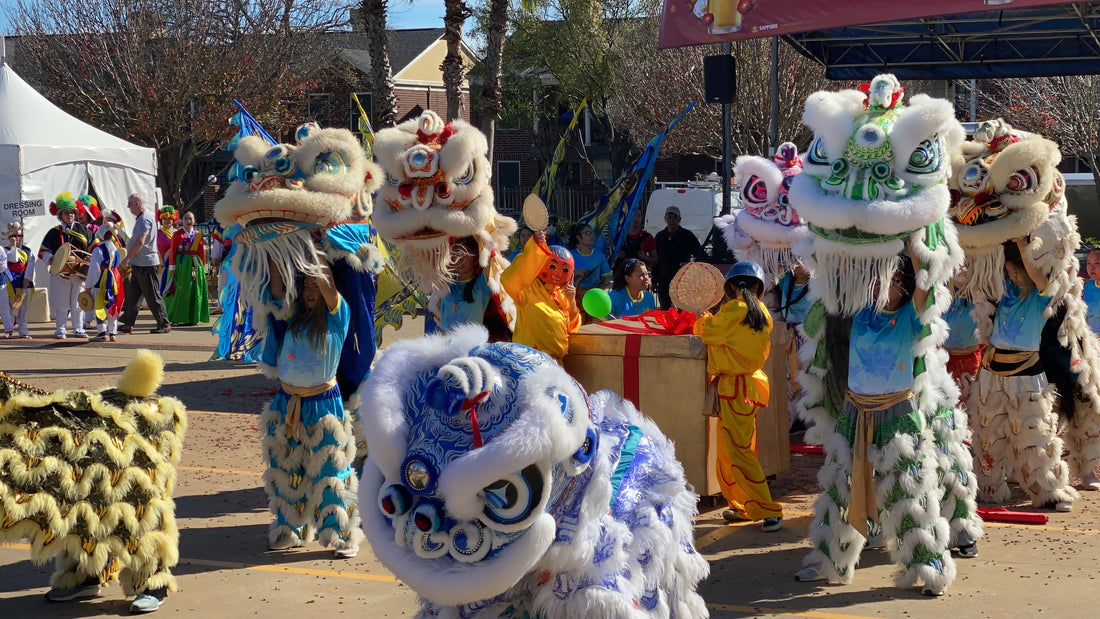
{"x": 810, "y": 573}
{"x": 932, "y": 591}
{"x": 1091, "y": 482}
{"x": 1063, "y": 506}
{"x": 346, "y": 552}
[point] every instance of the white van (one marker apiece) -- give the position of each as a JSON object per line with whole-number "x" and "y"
{"x": 699, "y": 204}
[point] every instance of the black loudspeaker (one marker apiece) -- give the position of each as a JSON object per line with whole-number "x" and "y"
{"x": 720, "y": 79}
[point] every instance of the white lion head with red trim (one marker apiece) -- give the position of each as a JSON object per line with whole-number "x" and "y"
{"x": 436, "y": 190}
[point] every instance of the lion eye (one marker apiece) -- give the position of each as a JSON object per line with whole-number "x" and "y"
{"x": 1023, "y": 180}
{"x": 511, "y": 502}
{"x": 330, "y": 162}
{"x": 755, "y": 191}
{"x": 466, "y": 177}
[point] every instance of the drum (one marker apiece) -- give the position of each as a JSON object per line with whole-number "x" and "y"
{"x": 68, "y": 260}
{"x": 123, "y": 270}
{"x": 86, "y": 301}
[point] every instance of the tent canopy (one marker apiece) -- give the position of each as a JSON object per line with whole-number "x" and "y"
{"x": 1058, "y": 39}
{"x": 45, "y": 151}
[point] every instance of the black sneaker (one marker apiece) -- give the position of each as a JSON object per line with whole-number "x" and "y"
{"x": 87, "y": 589}
{"x": 771, "y": 524}
{"x": 164, "y": 329}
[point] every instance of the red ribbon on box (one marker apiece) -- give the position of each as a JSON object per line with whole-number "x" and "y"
{"x": 658, "y": 322}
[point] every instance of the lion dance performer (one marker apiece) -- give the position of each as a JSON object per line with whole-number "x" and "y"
{"x": 87, "y": 477}
{"x": 437, "y": 191}
{"x": 18, "y": 285}
{"x": 496, "y": 487}
{"x": 1010, "y": 200}
{"x": 874, "y": 181}
{"x": 65, "y": 288}
{"x": 303, "y": 209}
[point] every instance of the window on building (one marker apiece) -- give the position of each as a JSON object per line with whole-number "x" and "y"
{"x": 320, "y": 109}
{"x": 368, "y": 107}
{"x": 573, "y": 175}
{"x": 507, "y": 175}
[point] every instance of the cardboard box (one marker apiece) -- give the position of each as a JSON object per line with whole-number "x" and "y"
{"x": 666, "y": 377}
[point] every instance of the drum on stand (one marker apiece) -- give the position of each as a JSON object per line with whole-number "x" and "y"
{"x": 68, "y": 260}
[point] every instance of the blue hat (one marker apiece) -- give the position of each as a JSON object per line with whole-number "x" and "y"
{"x": 746, "y": 268}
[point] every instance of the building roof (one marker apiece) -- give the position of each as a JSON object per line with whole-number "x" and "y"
{"x": 404, "y": 46}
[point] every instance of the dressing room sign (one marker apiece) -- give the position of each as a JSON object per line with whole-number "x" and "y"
{"x": 14, "y": 211}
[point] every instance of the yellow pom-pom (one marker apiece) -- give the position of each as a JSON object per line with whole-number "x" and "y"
{"x": 143, "y": 375}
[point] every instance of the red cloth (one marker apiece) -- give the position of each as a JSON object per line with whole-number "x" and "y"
{"x": 658, "y": 322}
{"x": 967, "y": 364}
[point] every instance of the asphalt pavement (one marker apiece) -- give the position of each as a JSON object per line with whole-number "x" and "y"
{"x": 225, "y": 569}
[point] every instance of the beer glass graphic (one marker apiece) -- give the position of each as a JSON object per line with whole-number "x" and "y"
{"x": 726, "y": 16}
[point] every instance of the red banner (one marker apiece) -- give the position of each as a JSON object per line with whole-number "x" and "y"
{"x": 698, "y": 22}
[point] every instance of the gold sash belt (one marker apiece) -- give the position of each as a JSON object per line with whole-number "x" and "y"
{"x": 1024, "y": 358}
{"x": 964, "y": 351}
{"x": 293, "y": 419}
{"x": 862, "y": 504}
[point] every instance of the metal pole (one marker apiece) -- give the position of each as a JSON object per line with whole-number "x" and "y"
{"x": 973, "y": 100}
{"x": 773, "y": 120}
{"x": 727, "y": 170}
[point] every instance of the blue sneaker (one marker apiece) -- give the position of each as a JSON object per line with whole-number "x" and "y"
{"x": 88, "y": 589}
{"x": 149, "y": 601}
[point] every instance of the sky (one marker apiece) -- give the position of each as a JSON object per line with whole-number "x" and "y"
{"x": 403, "y": 15}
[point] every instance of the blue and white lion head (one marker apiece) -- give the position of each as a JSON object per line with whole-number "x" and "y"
{"x": 478, "y": 453}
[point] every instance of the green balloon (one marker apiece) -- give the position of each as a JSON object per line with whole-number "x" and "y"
{"x": 597, "y": 303}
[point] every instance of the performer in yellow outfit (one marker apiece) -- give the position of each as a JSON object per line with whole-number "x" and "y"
{"x": 738, "y": 340}
{"x": 540, "y": 281}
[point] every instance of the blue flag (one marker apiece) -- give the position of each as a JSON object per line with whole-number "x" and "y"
{"x": 247, "y": 125}
{"x": 610, "y": 217}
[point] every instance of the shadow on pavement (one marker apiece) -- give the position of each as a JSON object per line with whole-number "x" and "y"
{"x": 227, "y": 503}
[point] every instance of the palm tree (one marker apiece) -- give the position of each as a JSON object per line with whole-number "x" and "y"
{"x": 454, "y": 68}
{"x": 373, "y": 13}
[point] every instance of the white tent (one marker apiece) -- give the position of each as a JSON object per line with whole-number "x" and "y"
{"x": 45, "y": 151}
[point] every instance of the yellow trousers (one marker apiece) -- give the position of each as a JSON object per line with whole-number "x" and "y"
{"x": 739, "y": 472}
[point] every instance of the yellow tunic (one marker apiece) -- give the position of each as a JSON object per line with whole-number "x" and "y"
{"x": 544, "y": 315}
{"x": 736, "y": 354}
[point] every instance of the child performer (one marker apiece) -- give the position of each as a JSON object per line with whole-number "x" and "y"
{"x": 18, "y": 284}
{"x": 1017, "y": 424}
{"x": 105, "y": 284}
{"x": 470, "y": 298}
{"x": 540, "y": 281}
{"x": 308, "y": 442}
{"x": 630, "y": 293}
{"x": 738, "y": 340}
{"x": 1091, "y": 293}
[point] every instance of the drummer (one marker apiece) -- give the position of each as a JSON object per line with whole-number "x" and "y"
{"x": 65, "y": 288}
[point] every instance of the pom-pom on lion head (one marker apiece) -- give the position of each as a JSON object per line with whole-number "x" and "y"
{"x": 436, "y": 189}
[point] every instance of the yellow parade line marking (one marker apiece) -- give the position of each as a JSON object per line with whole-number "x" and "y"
{"x": 260, "y": 567}
{"x": 209, "y": 470}
{"x": 192, "y": 411}
{"x": 782, "y": 611}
